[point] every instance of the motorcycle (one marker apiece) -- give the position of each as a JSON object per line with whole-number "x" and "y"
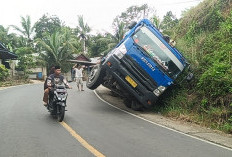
{"x": 57, "y": 101}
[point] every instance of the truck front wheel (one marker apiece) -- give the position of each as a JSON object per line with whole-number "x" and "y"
{"x": 136, "y": 106}
{"x": 95, "y": 78}
{"x": 127, "y": 102}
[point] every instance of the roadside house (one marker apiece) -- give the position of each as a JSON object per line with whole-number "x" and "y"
{"x": 5, "y": 57}
{"x": 83, "y": 60}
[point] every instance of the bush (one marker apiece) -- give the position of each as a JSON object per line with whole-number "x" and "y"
{"x": 4, "y": 73}
{"x": 217, "y": 80}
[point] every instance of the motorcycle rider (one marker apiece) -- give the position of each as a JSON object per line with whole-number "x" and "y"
{"x": 52, "y": 70}
{"x": 54, "y": 78}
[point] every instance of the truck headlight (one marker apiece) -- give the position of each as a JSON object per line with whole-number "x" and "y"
{"x": 120, "y": 51}
{"x": 162, "y": 88}
{"x": 159, "y": 90}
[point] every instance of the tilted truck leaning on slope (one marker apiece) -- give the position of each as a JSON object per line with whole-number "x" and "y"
{"x": 141, "y": 67}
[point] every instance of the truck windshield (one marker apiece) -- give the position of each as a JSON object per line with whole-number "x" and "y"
{"x": 156, "y": 50}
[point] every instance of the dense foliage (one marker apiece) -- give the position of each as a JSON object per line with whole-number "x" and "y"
{"x": 204, "y": 34}
{"x": 57, "y": 49}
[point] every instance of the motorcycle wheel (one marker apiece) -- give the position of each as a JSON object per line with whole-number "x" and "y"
{"x": 60, "y": 115}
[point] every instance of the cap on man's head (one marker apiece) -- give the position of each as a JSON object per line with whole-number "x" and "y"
{"x": 57, "y": 67}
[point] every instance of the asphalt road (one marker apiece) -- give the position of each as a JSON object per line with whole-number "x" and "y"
{"x": 27, "y": 130}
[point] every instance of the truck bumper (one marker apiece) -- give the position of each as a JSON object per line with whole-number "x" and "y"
{"x": 120, "y": 71}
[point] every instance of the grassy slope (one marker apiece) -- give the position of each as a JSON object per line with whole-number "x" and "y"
{"x": 204, "y": 35}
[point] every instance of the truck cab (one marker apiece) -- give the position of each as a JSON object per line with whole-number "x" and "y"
{"x": 140, "y": 68}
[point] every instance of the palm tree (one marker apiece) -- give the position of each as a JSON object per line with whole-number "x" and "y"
{"x": 57, "y": 49}
{"x": 119, "y": 31}
{"x": 103, "y": 44}
{"x": 27, "y": 28}
{"x": 9, "y": 39}
{"x": 156, "y": 21}
{"x": 82, "y": 31}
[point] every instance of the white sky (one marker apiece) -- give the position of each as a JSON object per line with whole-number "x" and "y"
{"x": 99, "y": 14}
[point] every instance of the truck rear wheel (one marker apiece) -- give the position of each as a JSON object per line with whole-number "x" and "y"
{"x": 95, "y": 78}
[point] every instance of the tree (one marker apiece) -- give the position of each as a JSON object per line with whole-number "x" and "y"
{"x": 101, "y": 44}
{"x": 133, "y": 13}
{"x": 47, "y": 25}
{"x": 4, "y": 34}
{"x": 57, "y": 50}
{"x": 120, "y": 31}
{"x": 156, "y": 21}
{"x": 27, "y": 28}
{"x": 10, "y": 40}
{"x": 168, "y": 23}
{"x": 82, "y": 31}
{"x": 26, "y": 59}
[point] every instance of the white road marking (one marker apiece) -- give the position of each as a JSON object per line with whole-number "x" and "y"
{"x": 209, "y": 142}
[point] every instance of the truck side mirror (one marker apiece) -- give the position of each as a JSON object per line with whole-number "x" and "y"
{"x": 132, "y": 24}
{"x": 189, "y": 77}
{"x": 166, "y": 38}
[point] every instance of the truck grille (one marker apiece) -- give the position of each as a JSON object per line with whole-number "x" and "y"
{"x": 140, "y": 74}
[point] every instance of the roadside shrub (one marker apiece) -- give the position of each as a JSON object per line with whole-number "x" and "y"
{"x": 4, "y": 73}
{"x": 227, "y": 127}
{"x": 216, "y": 81}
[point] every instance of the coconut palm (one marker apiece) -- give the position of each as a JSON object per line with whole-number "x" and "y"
{"x": 10, "y": 40}
{"x": 82, "y": 31}
{"x": 27, "y": 28}
{"x": 57, "y": 49}
{"x": 156, "y": 21}
{"x": 3, "y": 34}
{"x": 120, "y": 31}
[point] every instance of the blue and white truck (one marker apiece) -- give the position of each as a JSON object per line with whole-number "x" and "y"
{"x": 141, "y": 67}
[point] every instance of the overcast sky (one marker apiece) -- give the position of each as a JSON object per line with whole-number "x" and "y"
{"x": 99, "y": 14}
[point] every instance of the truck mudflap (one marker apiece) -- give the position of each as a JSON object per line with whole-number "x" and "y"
{"x": 130, "y": 82}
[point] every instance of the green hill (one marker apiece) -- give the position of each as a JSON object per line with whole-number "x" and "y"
{"x": 204, "y": 35}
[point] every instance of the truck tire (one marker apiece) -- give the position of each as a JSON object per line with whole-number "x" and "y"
{"x": 136, "y": 106}
{"x": 127, "y": 102}
{"x": 95, "y": 78}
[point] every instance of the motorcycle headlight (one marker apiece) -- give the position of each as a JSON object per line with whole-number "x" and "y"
{"x": 120, "y": 51}
{"x": 159, "y": 90}
{"x": 59, "y": 98}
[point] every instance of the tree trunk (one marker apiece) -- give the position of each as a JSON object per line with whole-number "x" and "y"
{"x": 85, "y": 52}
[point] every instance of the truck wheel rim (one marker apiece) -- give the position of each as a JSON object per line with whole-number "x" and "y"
{"x": 92, "y": 74}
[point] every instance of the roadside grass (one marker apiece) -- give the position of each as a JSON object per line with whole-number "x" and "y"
{"x": 14, "y": 82}
{"x": 204, "y": 36}
{"x": 180, "y": 105}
